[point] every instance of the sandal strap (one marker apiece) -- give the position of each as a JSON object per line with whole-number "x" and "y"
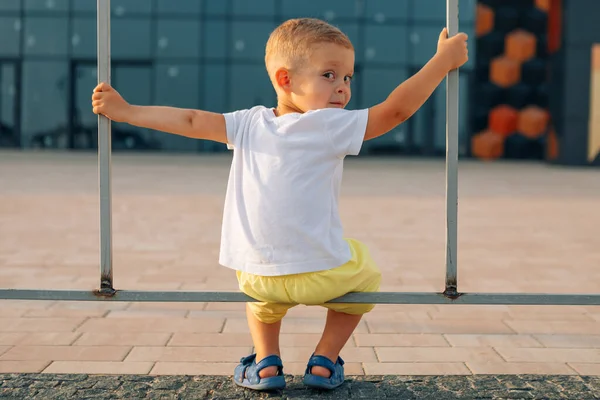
{"x": 270, "y": 361}
{"x": 322, "y": 361}
{"x": 249, "y": 370}
{"x": 248, "y": 359}
{"x": 240, "y": 372}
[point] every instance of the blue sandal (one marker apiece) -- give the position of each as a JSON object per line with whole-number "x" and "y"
{"x": 318, "y": 382}
{"x": 246, "y": 373}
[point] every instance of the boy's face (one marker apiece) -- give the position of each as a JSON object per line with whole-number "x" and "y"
{"x": 324, "y": 81}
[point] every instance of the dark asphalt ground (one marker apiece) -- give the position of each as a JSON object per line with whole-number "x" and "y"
{"x": 49, "y": 386}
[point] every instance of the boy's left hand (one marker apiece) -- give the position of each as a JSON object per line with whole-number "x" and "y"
{"x": 453, "y": 50}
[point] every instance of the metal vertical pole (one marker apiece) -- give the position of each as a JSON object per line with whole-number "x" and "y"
{"x": 104, "y": 152}
{"x": 451, "y": 159}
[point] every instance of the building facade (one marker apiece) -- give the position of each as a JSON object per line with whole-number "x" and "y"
{"x": 205, "y": 54}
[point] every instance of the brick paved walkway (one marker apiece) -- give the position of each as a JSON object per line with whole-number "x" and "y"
{"x": 522, "y": 228}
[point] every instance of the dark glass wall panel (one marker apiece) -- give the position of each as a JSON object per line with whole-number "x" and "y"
{"x": 177, "y": 85}
{"x": 131, "y": 38}
{"x": 330, "y": 10}
{"x": 85, "y": 6}
{"x": 10, "y": 32}
{"x": 248, "y": 40}
{"x": 376, "y": 85}
{"x": 84, "y": 41}
{"x": 385, "y": 44}
{"x": 215, "y": 7}
{"x": 178, "y": 7}
{"x": 8, "y": 97}
{"x": 10, "y": 5}
{"x": 383, "y": 10}
{"x": 119, "y": 8}
{"x": 213, "y": 98}
{"x": 123, "y": 8}
{"x": 178, "y": 38}
{"x": 44, "y": 103}
{"x": 85, "y": 129}
{"x": 46, "y": 36}
{"x": 434, "y": 11}
{"x": 134, "y": 83}
{"x": 215, "y": 39}
{"x": 49, "y": 6}
{"x": 250, "y": 86}
{"x": 214, "y": 85}
{"x": 262, "y": 8}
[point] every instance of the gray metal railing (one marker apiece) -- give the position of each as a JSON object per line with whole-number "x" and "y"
{"x": 451, "y": 295}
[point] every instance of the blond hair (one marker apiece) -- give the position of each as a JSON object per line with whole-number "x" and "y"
{"x": 290, "y": 43}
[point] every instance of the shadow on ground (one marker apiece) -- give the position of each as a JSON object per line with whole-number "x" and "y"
{"x": 50, "y": 386}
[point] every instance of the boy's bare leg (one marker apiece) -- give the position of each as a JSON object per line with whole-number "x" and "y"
{"x": 338, "y": 329}
{"x": 266, "y": 341}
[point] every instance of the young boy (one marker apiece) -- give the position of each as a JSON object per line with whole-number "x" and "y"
{"x": 281, "y": 228}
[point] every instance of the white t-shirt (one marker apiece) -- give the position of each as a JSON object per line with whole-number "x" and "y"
{"x": 281, "y": 208}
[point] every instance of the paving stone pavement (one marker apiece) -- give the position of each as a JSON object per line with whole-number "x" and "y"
{"x": 49, "y": 387}
{"x": 523, "y": 227}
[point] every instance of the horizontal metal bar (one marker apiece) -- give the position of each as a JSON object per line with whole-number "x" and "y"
{"x": 374, "y": 298}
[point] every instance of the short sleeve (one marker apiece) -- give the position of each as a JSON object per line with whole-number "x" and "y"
{"x": 347, "y": 130}
{"x": 235, "y": 123}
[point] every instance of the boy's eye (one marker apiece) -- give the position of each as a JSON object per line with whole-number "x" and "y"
{"x": 328, "y": 75}
{"x": 348, "y": 78}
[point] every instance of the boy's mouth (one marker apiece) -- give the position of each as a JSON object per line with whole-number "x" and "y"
{"x": 337, "y": 103}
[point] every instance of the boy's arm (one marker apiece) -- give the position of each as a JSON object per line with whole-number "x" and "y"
{"x": 410, "y": 95}
{"x": 195, "y": 124}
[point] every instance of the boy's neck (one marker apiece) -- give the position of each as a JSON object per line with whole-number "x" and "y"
{"x": 284, "y": 107}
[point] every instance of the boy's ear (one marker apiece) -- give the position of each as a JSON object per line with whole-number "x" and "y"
{"x": 283, "y": 79}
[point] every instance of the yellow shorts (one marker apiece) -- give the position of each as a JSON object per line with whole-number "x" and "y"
{"x": 277, "y": 294}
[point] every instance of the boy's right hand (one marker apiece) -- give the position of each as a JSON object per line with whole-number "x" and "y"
{"x": 108, "y": 102}
{"x": 453, "y": 50}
